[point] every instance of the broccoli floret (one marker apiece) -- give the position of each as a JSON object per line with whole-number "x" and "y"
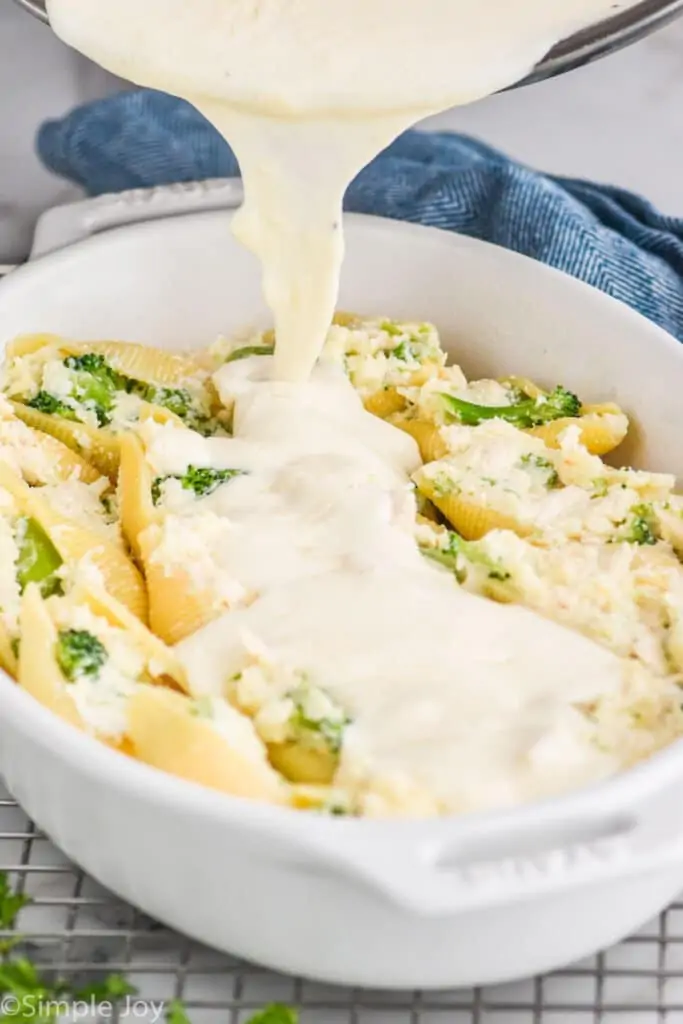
{"x": 51, "y": 406}
{"x": 80, "y": 654}
{"x": 531, "y": 412}
{"x": 203, "y": 481}
{"x": 250, "y": 350}
{"x": 453, "y": 550}
{"x": 642, "y": 527}
{"x": 545, "y": 467}
{"x": 94, "y": 364}
{"x": 179, "y": 401}
{"x": 95, "y": 384}
{"x": 38, "y": 559}
{"x": 176, "y": 400}
{"x": 313, "y": 729}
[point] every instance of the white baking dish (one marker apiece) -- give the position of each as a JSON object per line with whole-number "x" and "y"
{"x": 414, "y": 904}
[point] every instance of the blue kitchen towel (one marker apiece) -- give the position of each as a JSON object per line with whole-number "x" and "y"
{"x": 613, "y": 239}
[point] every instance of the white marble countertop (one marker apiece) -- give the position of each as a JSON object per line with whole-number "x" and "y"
{"x": 619, "y": 120}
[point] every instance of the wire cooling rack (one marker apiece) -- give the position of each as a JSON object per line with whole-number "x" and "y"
{"x": 76, "y": 929}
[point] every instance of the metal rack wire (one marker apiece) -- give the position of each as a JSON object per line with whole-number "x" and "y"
{"x": 76, "y": 929}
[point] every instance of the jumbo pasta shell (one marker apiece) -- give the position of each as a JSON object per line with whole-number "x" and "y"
{"x": 162, "y": 663}
{"x": 141, "y": 361}
{"x": 385, "y": 402}
{"x": 28, "y": 344}
{"x": 8, "y": 659}
{"x": 74, "y": 543}
{"x": 167, "y": 735}
{"x": 176, "y": 609}
{"x": 38, "y": 672}
{"x": 100, "y": 447}
{"x": 301, "y": 764}
{"x": 64, "y": 464}
{"x": 136, "y": 507}
{"x": 602, "y": 429}
{"x": 428, "y": 436}
{"x": 470, "y": 520}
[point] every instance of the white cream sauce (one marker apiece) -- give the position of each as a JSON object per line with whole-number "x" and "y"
{"x": 469, "y": 702}
{"x": 307, "y": 93}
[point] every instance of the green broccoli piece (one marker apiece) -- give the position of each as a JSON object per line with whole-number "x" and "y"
{"x": 51, "y": 406}
{"x": 80, "y": 654}
{"x": 203, "y": 481}
{"x": 454, "y": 550}
{"x": 95, "y": 384}
{"x": 642, "y": 528}
{"x": 38, "y": 559}
{"x": 176, "y": 400}
{"x": 179, "y": 401}
{"x": 545, "y": 467}
{"x": 308, "y": 729}
{"x": 530, "y": 412}
{"x": 95, "y": 365}
{"x": 250, "y": 350}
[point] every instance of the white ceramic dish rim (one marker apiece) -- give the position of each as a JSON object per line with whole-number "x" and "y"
{"x": 600, "y": 830}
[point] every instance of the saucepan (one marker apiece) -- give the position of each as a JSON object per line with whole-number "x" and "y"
{"x": 414, "y": 904}
{"x": 582, "y": 48}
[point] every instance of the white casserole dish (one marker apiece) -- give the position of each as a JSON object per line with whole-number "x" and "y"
{"x": 423, "y": 905}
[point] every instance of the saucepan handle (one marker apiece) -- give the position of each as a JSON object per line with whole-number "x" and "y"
{"x": 74, "y": 222}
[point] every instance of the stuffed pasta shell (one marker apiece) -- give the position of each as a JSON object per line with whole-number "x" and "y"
{"x": 447, "y": 400}
{"x": 496, "y": 477}
{"x": 203, "y": 740}
{"x": 84, "y": 657}
{"x": 87, "y": 394}
{"x": 41, "y": 545}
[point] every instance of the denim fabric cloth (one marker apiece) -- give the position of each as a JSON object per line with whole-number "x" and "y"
{"x": 606, "y": 236}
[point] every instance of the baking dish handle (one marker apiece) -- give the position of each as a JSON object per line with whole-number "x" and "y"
{"x": 440, "y": 876}
{"x": 73, "y": 222}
